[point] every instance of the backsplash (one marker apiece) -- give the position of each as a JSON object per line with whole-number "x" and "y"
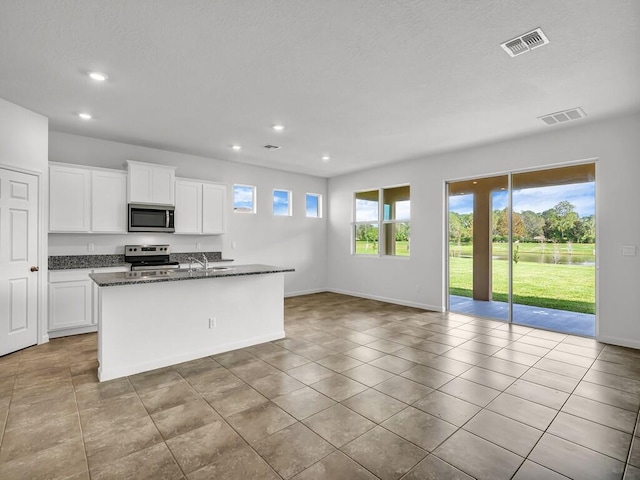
{"x": 65, "y": 262}
{"x": 68, "y": 262}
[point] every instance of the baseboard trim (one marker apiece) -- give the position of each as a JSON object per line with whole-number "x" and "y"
{"x": 304, "y": 292}
{"x": 396, "y": 301}
{"x": 621, "y": 342}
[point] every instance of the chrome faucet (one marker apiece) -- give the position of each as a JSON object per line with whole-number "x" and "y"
{"x": 204, "y": 264}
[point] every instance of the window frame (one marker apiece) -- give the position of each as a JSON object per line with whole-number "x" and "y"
{"x": 381, "y": 223}
{"x": 289, "y": 203}
{"x": 318, "y": 197}
{"x": 254, "y": 206}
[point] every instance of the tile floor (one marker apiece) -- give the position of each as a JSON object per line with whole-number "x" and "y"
{"x": 358, "y": 390}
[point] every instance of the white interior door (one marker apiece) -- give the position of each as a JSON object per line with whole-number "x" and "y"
{"x": 18, "y": 260}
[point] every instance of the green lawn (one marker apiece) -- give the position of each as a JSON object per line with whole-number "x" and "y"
{"x": 362, "y": 247}
{"x": 563, "y": 287}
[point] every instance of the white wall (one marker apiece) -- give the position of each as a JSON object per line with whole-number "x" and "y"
{"x": 420, "y": 279}
{"x": 296, "y": 241}
{"x": 23, "y": 145}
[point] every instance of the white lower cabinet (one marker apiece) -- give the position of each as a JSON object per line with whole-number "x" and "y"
{"x": 73, "y": 299}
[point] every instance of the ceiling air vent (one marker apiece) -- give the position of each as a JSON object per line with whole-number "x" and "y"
{"x": 525, "y": 43}
{"x": 272, "y": 147}
{"x": 563, "y": 116}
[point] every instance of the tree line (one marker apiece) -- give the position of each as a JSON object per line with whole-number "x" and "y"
{"x": 558, "y": 224}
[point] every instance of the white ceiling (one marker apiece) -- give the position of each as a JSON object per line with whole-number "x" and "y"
{"x": 367, "y": 82}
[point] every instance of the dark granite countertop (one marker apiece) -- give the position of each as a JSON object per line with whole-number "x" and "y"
{"x": 142, "y": 277}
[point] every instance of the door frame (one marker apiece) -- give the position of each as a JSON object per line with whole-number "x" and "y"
{"x": 509, "y": 173}
{"x": 42, "y": 249}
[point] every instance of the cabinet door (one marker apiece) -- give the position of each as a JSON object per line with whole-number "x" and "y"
{"x": 188, "y": 213}
{"x": 109, "y": 202}
{"x": 162, "y": 185}
{"x": 70, "y": 304}
{"x": 69, "y": 199}
{"x": 139, "y": 183}
{"x": 213, "y": 208}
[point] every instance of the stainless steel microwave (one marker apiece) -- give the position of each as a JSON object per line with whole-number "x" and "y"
{"x": 151, "y": 218}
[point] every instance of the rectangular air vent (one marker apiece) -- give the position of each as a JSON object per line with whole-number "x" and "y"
{"x": 563, "y": 116}
{"x": 525, "y": 43}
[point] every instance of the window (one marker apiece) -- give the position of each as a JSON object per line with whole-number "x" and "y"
{"x": 394, "y": 216}
{"x": 366, "y": 223}
{"x": 314, "y": 205}
{"x": 244, "y": 199}
{"x": 282, "y": 203}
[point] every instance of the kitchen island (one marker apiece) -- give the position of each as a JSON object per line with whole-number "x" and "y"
{"x": 149, "y": 320}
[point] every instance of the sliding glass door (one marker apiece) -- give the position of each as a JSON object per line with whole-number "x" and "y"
{"x": 522, "y": 248}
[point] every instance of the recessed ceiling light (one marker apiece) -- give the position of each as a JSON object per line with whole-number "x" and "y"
{"x": 98, "y": 76}
{"x": 236, "y": 147}
{"x": 475, "y": 183}
{"x": 278, "y": 127}
{"x": 85, "y": 116}
{"x": 326, "y": 158}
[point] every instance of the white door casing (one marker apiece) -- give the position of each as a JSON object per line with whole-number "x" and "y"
{"x": 18, "y": 254}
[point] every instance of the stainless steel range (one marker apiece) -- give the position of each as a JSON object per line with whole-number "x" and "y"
{"x": 149, "y": 257}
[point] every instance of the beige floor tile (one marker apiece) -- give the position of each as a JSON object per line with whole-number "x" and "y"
{"x": 575, "y": 461}
{"x": 447, "y": 408}
{"x": 338, "y": 425}
{"x": 339, "y": 387}
{"x": 403, "y": 389}
{"x": 336, "y": 466}
{"x": 184, "y": 418}
{"x": 310, "y": 373}
{"x": 239, "y": 463}
{"x": 530, "y": 413}
{"x": 383, "y": 453}
{"x": 293, "y": 449}
{"x": 303, "y": 403}
{"x": 481, "y": 459}
{"x": 600, "y": 438}
{"x": 202, "y": 446}
{"x": 470, "y": 391}
{"x": 533, "y": 471}
{"x": 420, "y": 428}
{"x": 153, "y": 463}
{"x": 504, "y": 432}
{"x": 374, "y": 405}
{"x": 261, "y": 421}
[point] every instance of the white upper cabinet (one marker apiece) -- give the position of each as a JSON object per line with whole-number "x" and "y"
{"x": 108, "y": 202}
{"x": 214, "y": 208}
{"x": 83, "y": 199}
{"x": 188, "y": 213}
{"x": 69, "y": 199}
{"x": 200, "y": 207}
{"x": 150, "y": 183}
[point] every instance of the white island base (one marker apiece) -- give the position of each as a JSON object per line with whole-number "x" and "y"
{"x": 151, "y": 325}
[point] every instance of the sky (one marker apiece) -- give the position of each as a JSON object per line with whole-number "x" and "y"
{"x": 281, "y": 200}
{"x": 312, "y": 206}
{"x": 243, "y": 197}
{"x": 580, "y": 195}
{"x": 367, "y": 210}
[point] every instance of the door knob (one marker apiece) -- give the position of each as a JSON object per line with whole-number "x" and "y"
{"x": 35, "y": 269}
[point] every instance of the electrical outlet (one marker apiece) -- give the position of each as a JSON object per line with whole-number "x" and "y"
{"x": 90, "y": 247}
{"x": 213, "y": 322}
{"x": 198, "y": 246}
{"x": 234, "y": 244}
